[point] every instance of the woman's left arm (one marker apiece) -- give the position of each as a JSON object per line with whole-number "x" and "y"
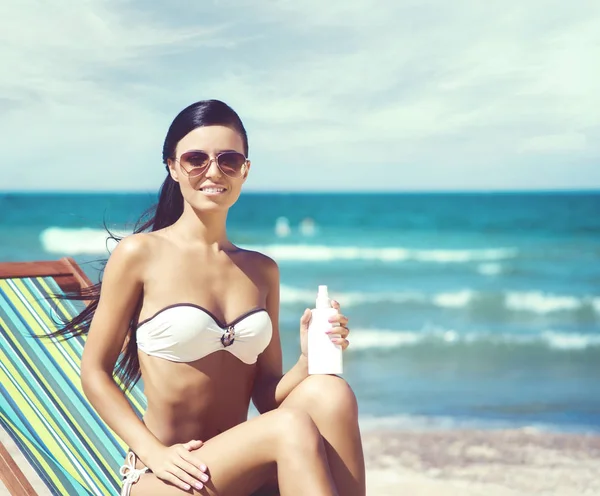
{"x": 271, "y": 386}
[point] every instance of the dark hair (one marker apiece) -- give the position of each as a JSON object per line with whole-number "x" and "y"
{"x": 168, "y": 209}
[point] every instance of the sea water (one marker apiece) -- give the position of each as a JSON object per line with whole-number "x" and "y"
{"x": 465, "y": 309}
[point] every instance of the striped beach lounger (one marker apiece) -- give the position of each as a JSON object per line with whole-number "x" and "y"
{"x": 42, "y": 406}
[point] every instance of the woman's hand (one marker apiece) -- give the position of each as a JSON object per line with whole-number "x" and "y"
{"x": 338, "y": 332}
{"x": 174, "y": 464}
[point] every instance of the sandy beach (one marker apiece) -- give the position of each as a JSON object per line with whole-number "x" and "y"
{"x": 462, "y": 463}
{"x": 474, "y": 463}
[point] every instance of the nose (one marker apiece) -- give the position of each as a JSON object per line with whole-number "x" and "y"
{"x": 213, "y": 168}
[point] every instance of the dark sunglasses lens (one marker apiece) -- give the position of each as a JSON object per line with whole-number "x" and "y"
{"x": 231, "y": 163}
{"x": 194, "y": 161}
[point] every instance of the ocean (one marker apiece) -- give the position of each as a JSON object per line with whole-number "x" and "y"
{"x": 466, "y": 310}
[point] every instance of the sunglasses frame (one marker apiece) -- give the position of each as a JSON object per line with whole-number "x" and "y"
{"x": 202, "y": 170}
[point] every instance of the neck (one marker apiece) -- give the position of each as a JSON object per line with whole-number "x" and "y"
{"x": 207, "y": 228}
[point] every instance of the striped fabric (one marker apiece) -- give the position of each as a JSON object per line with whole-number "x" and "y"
{"x": 42, "y": 406}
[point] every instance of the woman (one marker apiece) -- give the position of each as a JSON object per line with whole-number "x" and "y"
{"x": 198, "y": 319}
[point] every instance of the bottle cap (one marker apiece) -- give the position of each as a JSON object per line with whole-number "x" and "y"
{"x": 323, "y": 298}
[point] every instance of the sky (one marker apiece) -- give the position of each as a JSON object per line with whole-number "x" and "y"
{"x": 374, "y": 95}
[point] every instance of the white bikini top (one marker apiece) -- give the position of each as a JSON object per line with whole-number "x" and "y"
{"x": 186, "y": 332}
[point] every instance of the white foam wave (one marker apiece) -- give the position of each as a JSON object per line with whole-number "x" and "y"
{"x": 564, "y": 341}
{"x": 533, "y": 302}
{"x": 490, "y": 269}
{"x": 83, "y": 241}
{"x": 90, "y": 241}
{"x": 364, "y": 339}
{"x": 321, "y": 253}
{"x": 457, "y": 299}
{"x": 538, "y": 302}
{"x": 368, "y": 339}
{"x": 290, "y": 295}
{"x": 426, "y": 423}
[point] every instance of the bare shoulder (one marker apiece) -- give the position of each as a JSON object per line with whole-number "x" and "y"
{"x": 265, "y": 264}
{"x": 263, "y": 261}
{"x": 132, "y": 252}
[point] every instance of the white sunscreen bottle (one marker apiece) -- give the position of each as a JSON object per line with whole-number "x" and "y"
{"x": 324, "y": 356}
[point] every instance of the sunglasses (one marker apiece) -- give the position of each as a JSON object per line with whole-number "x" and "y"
{"x": 195, "y": 163}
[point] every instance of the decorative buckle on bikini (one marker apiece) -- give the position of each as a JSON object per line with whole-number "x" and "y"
{"x": 228, "y": 337}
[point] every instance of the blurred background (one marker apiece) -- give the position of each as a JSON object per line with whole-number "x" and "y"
{"x": 435, "y": 164}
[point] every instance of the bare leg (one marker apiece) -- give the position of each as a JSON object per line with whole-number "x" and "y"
{"x": 284, "y": 442}
{"x": 331, "y": 404}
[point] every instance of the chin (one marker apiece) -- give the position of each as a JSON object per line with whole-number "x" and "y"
{"x": 212, "y": 203}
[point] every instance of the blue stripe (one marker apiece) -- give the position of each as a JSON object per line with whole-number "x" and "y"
{"x": 69, "y": 397}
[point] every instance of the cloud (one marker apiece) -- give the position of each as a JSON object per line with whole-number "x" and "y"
{"x": 568, "y": 142}
{"x": 361, "y": 94}
{"x": 79, "y": 100}
{"x": 474, "y": 82}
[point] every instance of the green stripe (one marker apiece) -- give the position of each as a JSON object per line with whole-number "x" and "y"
{"x": 61, "y": 435}
{"x": 43, "y": 406}
{"x": 63, "y": 400}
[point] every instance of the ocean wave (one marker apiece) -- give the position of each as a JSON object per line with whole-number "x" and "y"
{"x": 437, "y": 422}
{"x": 94, "y": 241}
{"x": 490, "y": 269}
{"x": 461, "y": 298}
{"x": 531, "y": 302}
{"x": 291, "y": 295}
{"x": 82, "y": 241}
{"x": 539, "y": 302}
{"x": 371, "y": 339}
{"x": 428, "y": 423}
{"x": 457, "y": 299}
{"x": 322, "y": 253}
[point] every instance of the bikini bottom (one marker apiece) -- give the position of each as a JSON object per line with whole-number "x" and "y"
{"x": 130, "y": 474}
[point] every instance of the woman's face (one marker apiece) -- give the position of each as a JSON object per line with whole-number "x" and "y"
{"x": 211, "y": 188}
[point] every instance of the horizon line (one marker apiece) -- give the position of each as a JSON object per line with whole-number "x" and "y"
{"x": 319, "y": 192}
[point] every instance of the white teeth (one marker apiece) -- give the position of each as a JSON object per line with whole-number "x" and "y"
{"x": 213, "y": 190}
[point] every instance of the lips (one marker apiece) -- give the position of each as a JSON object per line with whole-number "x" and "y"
{"x": 213, "y": 189}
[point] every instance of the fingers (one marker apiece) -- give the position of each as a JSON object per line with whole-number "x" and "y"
{"x": 193, "y": 445}
{"x": 193, "y": 475}
{"x": 186, "y": 479}
{"x": 340, "y": 342}
{"x": 186, "y": 469}
{"x": 178, "y": 466}
{"x": 339, "y": 325}
{"x": 305, "y": 319}
{"x": 338, "y": 318}
{"x": 168, "y": 477}
{"x": 338, "y": 331}
{"x": 196, "y": 467}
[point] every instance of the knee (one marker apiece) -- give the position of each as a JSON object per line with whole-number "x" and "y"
{"x": 296, "y": 428}
{"x": 329, "y": 395}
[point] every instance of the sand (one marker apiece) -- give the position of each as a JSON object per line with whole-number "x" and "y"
{"x": 464, "y": 463}
{"x": 490, "y": 463}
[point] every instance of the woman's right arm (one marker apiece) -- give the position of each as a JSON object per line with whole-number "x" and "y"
{"x": 122, "y": 287}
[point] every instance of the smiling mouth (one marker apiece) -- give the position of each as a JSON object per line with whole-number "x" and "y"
{"x": 213, "y": 190}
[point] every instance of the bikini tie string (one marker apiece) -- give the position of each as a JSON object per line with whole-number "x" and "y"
{"x": 129, "y": 472}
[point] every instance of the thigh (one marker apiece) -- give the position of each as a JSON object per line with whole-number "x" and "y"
{"x": 240, "y": 462}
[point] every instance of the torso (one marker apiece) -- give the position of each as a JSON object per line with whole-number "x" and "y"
{"x": 200, "y": 398}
